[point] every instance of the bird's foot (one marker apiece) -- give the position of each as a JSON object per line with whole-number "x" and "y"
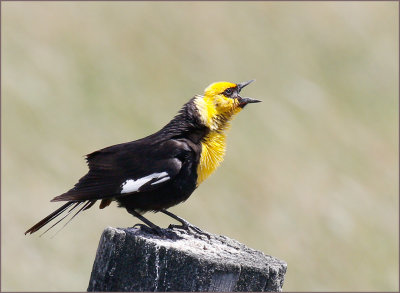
{"x": 190, "y": 229}
{"x": 163, "y": 233}
{"x": 151, "y": 230}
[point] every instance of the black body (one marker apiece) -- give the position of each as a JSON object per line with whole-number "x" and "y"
{"x": 174, "y": 149}
{"x": 150, "y": 174}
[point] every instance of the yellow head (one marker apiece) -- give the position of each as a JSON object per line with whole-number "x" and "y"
{"x": 221, "y": 101}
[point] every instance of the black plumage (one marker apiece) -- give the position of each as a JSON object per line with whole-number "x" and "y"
{"x": 161, "y": 170}
{"x": 175, "y": 149}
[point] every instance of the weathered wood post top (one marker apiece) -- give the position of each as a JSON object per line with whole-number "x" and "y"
{"x": 134, "y": 260}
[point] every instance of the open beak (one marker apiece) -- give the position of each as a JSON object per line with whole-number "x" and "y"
{"x": 244, "y": 101}
{"x": 243, "y": 84}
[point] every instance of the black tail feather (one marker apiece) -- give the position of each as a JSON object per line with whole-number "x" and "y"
{"x": 76, "y": 204}
{"x": 85, "y": 206}
{"x": 57, "y": 213}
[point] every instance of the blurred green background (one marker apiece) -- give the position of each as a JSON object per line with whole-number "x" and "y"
{"x": 310, "y": 176}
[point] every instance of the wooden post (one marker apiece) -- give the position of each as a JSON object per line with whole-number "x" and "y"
{"x": 134, "y": 260}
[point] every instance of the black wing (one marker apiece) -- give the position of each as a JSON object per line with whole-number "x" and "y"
{"x": 128, "y": 168}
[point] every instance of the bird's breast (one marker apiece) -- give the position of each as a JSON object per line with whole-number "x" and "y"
{"x": 212, "y": 154}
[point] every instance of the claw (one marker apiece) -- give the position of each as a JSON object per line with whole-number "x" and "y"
{"x": 188, "y": 227}
{"x": 157, "y": 230}
{"x": 185, "y": 225}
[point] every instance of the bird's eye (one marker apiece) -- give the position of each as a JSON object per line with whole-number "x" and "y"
{"x": 228, "y": 92}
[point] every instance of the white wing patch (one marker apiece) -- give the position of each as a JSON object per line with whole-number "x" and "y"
{"x": 161, "y": 180}
{"x": 132, "y": 185}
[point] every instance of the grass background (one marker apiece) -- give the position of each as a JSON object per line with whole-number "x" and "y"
{"x": 310, "y": 176}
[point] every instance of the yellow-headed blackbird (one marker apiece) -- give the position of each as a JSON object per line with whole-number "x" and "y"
{"x": 163, "y": 169}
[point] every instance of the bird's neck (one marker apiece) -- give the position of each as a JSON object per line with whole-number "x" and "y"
{"x": 213, "y": 144}
{"x": 211, "y": 115}
{"x": 186, "y": 124}
{"x": 199, "y": 121}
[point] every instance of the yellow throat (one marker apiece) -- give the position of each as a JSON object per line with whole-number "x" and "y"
{"x": 216, "y": 111}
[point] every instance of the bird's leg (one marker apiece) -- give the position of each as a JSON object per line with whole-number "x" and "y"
{"x": 149, "y": 225}
{"x": 184, "y": 224}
